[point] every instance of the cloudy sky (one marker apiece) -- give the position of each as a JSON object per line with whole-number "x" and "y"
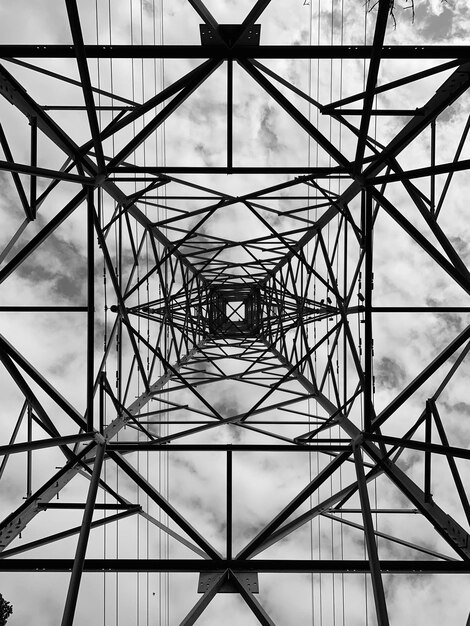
{"x": 264, "y": 136}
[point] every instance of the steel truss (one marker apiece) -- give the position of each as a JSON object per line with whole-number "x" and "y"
{"x": 282, "y": 319}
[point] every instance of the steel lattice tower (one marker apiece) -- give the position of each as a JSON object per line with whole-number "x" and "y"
{"x": 235, "y": 410}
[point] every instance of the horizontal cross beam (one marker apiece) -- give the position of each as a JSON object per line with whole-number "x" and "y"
{"x": 237, "y": 52}
{"x": 291, "y": 566}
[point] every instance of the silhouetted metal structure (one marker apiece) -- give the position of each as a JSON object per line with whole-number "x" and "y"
{"x": 285, "y": 319}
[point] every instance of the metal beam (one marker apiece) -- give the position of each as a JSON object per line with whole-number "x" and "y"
{"x": 77, "y": 569}
{"x": 77, "y": 36}
{"x": 376, "y": 574}
{"x": 372, "y": 75}
{"x": 239, "y": 52}
{"x": 288, "y": 566}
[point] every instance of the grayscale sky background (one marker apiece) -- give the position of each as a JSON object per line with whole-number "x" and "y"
{"x": 56, "y": 274}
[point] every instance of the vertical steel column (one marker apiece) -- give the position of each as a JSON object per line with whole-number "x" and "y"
{"x": 433, "y": 165}
{"x": 376, "y": 575}
{"x": 29, "y": 454}
{"x": 229, "y": 505}
{"x": 34, "y": 162}
{"x": 90, "y": 311}
{"x": 119, "y": 334}
{"x": 427, "y": 454}
{"x": 102, "y": 401}
{"x": 368, "y": 286}
{"x": 75, "y": 578}
{"x": 229, "y": 113}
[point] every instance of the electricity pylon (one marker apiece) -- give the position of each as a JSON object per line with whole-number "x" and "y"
{"x": 232, "y": 322}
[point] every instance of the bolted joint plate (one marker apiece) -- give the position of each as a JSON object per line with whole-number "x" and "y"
{"x": 457, "y": 533}
{"x": 248, "y": 579}
{"x": 229, "y": 34}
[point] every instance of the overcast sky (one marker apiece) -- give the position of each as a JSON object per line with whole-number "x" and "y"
{"x": 404, "y": 274}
